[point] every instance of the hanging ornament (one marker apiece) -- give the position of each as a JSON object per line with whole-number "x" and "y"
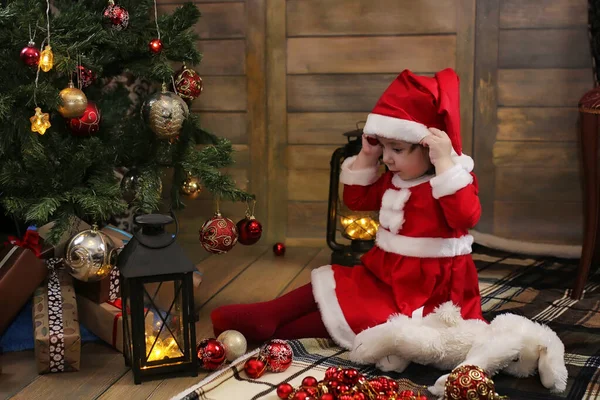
{"x": 278, "y": 354}
{"x": 255, "y": 367}
{"x": 30, "y": 55}
{"x": 155, "y": 46}
{"x": 89, "y": 123}
{"x": 86, "y": 76}
{"x": 470, "y": 382}
{"x": 249, "y": 229}
{"x": 279, "y": 249}
{"x": 218, "y": 235}
{"x": 115, "y": 16}
{"x": 191, "y": 187}
{"x": 211, "y": 354}
{"x": 73, "y": 102}
{"x": 164, "y": 113}
{"x": 90, "y": 255}
{"x": 188, "y": 84}
{"x": 134, "y": 179}
{"x": 40, "y": 122}
{"x": 235, "y": 344}
{"x": 46, "y": 59}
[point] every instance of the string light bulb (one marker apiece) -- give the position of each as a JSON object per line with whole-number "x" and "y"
{"x": 40, "y": 122}
{"x": 46, "y": 59}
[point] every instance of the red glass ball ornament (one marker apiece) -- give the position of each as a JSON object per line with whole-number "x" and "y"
{"x": 330, "y": 372}
{"x": 249, "y": 230}
{"x": 86, "y": 76}
{"x": 284, "y": 390}
{"x": 116, "y": 16}
{"x": 30, "y": 55}
{"x": 211, "y": 354}
{"x": 278, "y": 354}
{"x": 347, "y": 396}
{"x": 300, "y": 395}
{"x": 469, "y": 382}
{"x": 351, "y": 376}
{"x": 372, "y": 141}
{"x": 255, "y": 367}
{"x": 89, "y": 123}
{"x": 310, "y": 381}
{"x": 218, "y": 235}
{"x": 327, "y": 396}
{"x": 359, "y": 396}
{"x": 279, "y": 249}
{"x": 155, "y": 46}
{"x": 188, "y": 84}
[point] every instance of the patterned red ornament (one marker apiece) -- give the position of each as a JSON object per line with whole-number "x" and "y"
{"x": 155, "y": 46}
{"x": 284, "y": 390}
{"x": 30, "y": 55}
{"x": 278, "y": 354}
{"x": 218, "y": 235}
{"x": 469, "y": 382}
{"x": 89, "y": 123}
{"x": 115, "y": 16}
{"x": 279, "y": 249}
{"x": 86, "y": 76}
{"x": 255, "y": 367}
{"x": 249, "y": 230}
{"x": 188, "y": 83}
{"x": 327, "y": 396}
{"x": 211, "y": 354}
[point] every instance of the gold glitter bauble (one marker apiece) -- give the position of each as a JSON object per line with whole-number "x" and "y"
{"x": 165, "y": 113}
{"x": 90, "y": 255}
{"x": 191, "y": 187}
{"x": 73, "y": 102}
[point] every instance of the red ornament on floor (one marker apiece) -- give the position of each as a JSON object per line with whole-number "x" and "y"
{"x": 470, "y": 382}
{"x": 30, "y": 55}
{"x": 279, "y": 249}
{"x": 89, "y": 123}
{"x": 155, "y": 46}
{"x": 211, "y": 354}
{"x": 278, "y": 354}
{"x": 255, "y": 367}
{"x": 249, "y": 230}
{"x": 284, "y": 390}
{"x": 218, "y": 235}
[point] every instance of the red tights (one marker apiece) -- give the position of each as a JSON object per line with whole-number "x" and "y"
{"x": 294, "y": 315}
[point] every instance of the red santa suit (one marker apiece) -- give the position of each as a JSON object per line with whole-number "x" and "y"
{"x": 422, "y": 256}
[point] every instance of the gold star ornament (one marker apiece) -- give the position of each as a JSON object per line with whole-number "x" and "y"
{"x": 40, "y": 121}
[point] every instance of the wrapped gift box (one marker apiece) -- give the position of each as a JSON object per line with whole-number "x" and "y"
{"x": 21, "y": 272}
{"x": 57, "y": 338}
{"x": 77, "y": 225}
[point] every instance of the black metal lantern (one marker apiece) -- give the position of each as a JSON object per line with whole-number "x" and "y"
{"x": 159, "y": 333}
{"x": 350, "y": 234}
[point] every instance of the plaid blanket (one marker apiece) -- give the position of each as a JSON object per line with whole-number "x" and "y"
{"x": 537, "y": 288}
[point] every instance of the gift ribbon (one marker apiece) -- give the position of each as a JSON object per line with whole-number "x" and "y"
{"x": 55, "y": 316}
{"x": 115, "y": 283}
{"x": 118, "y": 304}
{"x": 30, "y": 241}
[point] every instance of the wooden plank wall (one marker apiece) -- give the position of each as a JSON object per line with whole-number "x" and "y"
{"x": 528, "y": 149}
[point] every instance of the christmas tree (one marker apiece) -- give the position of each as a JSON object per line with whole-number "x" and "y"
{"x": 60, "y": 147}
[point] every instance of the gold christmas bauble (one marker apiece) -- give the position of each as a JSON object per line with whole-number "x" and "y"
{"x": 90, "y": 255}
{"x": 191, "y": 187}
{"x": 235, "y": 344}
{"x": 165, "y": 113}
{"x": 73, "y": 102}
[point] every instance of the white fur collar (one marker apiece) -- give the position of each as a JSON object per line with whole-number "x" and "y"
{"x": 402, "y": 184}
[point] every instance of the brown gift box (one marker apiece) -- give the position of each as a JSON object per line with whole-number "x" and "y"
{"x": 21, "y": 272}
{"x": 45, "y": 339}
{"x": 105, "y": 321}
{"x": 76, "y": 226}
{"x": 109, "y": 288}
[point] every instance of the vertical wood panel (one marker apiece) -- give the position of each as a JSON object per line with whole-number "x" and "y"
{"x": 485, "y": 123}
{"x": 277, "y": 120}
{"x": 465, "y": 67}
{"x": 257, "y": 104}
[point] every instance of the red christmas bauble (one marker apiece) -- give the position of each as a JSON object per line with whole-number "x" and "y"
{"x": 211, "y": 353}
{"x": 359, "y": 396}
{"x": 30, "y": 55}
{"x": 86, "y": 76}
{"x": 278, "y": 354}
{"x": 327, "y": 396}
{"x": 116, "y": 16}
{"x": 284, "y": 390}
{"x": 155, "y": 46}
{"x": 249, "y": 230}
{"x": 330, "y": 372}
{"x": 469, "y": 382}
{"x": 372, "y": 140}
{"x": 89, "y": 123}
{"x": 218, "y": 235}
{"x": 255, "y": 367}
{"x": 310, "y": 381}
{"x": 300, "y": 395}
{"x": 279, "y": 249}
{"x": 188, "y": 84}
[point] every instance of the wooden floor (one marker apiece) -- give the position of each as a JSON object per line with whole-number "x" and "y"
{"x": 246, "y": 274}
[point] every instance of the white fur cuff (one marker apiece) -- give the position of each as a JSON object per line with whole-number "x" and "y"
{"x": 361, "y": 177}
{"x": 450, "y": 181}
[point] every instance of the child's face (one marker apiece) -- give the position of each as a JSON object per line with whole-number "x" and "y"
{"x": 407, "y": 163}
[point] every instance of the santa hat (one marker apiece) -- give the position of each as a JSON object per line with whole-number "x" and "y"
{"x": 413, "y": 103}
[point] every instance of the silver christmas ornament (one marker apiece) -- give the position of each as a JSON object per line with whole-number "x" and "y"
{"x": 235, "y": 344}
{"x": 164, "y": 113}
{"x": 90, "y": 255}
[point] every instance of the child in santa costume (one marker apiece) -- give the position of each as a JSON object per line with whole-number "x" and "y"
{"x": 427, "y": 201}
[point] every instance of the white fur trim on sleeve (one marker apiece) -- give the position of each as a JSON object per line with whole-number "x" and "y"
{"x": 361, "y": 177}
{"x": 450, "y": 181}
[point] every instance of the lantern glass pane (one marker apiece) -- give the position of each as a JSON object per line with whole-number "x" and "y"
{"x": 163, "y": 321}
{"x": 356, "y": 225}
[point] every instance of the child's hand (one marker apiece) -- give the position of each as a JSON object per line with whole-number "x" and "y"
{"x": 440, "y": 150}
{"x": 371, "y": 151}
